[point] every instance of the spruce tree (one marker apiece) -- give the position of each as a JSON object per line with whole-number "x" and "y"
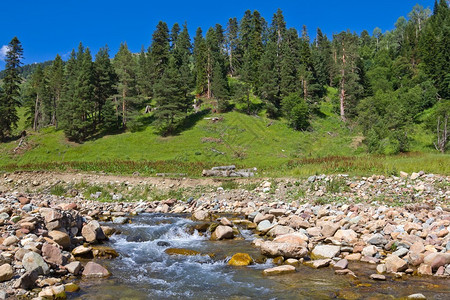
{"x": 200, "y": 63}
{"x": 125, "y": 67}
{"x": 105, "y": 79}
{"x": 160, "y": 49}
{"x": 231, "y": 38}
{"x": 56, "y": 86}
{"x": 170, "y": 100}
{"x": 11, "y": 89}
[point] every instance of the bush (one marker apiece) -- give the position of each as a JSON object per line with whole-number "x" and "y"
{"x": 296, "y": 111}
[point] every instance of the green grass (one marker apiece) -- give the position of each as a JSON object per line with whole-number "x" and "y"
{"x": 246, "y": 141}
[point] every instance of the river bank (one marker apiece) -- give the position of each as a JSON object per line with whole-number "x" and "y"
{"x": 50, "y": 242}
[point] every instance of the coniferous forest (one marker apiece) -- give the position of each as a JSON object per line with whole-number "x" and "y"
{"x": 381, "y": 82}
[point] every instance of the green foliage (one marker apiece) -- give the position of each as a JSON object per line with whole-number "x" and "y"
{"x": 11, "y": 89}
{"x": 58, "y": 190}
{"x": 296, "y": 111}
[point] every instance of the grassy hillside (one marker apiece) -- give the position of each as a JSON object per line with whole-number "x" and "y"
{"x": 236, "y": 138}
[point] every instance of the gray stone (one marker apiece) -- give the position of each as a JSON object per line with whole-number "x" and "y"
{"x": 401, "y": 252}
{"x": 325, "y": 251}
{"x": 341, "y": 264}
{"x": 74, "y": 267}
{"x": 264, "y": 226}
{"x": 120, "y": 220}
{"x": 28, "y": 280}
{"x": 377, "y": 240}
{"x": 33, "y": 261}
{"x": 222, "y": 232}
{"x": 378, "y": 277}
{"x": 93, "y": 269}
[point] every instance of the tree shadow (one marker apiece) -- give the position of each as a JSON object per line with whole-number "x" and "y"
{"x": 191, "y": 120}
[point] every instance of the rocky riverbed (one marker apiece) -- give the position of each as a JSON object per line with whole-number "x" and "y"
{"x": 399, "y": 225}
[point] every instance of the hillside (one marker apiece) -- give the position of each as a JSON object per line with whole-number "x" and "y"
{"x": 235, "y": 138}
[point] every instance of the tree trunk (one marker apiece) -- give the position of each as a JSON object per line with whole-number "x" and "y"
{"x": 342, "y": 94}
{"x": 124, "y": 94}
{"x": 208, "y": 75}
{"x": 36, "y": 113}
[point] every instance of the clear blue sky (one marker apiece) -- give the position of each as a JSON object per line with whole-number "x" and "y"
{"x": 48, "y": 27}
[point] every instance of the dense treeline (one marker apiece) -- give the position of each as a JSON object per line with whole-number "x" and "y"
{"x": 383, "y": 82}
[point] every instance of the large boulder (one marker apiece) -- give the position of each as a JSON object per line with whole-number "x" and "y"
{"x": 346, "y": 235}
{"x": 436, "y": 260}
{"x": 201, "y": 215}
{"x": 61, "y": 238}
{"x": 240, "y": 259}
{"x": 325, "y": 251}
{"x": 222, "y": 232}
{"x": 93, "y": 269}
{"x": 278, "y": 230}
{"x": 92, "y": 232}
{"x": 33, "y": 261}
{"x": 6, "y": 272}
{"x": 395, "y": 264}
{"x": 296, "y": 238}
{"x": 287, "y": 250}
{"x": 52, "y": 254}
{"x": 28, "y": 280}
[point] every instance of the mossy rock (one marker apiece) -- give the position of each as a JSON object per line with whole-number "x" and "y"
{"x": 71, "y": 288}
{"x": 212, "y": 227}
{"x": 279, "y": 260}
{"x": 181, "y": 251}
{"x": 240, "y": 259}
{"x": 202, "y": 227}
{"x": 104, "y": 252}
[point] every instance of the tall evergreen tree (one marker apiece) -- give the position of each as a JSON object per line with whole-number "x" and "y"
{"x": 160, "y": 49}
{"x": 105, "y": 81}
{"x": 171, "y": 100}
{"x": 232, "y": 45}
{"x": 56, "y": 86}
{"x": 125, "y": 67}
{"x": 200, "y": 63}
{"x": 11, "y": 89}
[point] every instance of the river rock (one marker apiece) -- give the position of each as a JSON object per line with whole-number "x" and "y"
{"x": 296, "y": 238}
{"x": 52, "y": 254}
{"x": 318, "y": 263}
{"x": 120, "y": 220}
{"x": 53, "y": 292}
{"x": 61, "y": 238}
{"x": 278, "y": 230}
{"x": 435, "y": 260}
{"x": 240, "y": 259}
{"x": 93, "y": 269}
{"x": 92, "y": 232}
{"x": 181, "y": 251}
{"x": 287, "y": 250}
{"x": 329, "y": 229}
{"x": 425, "y": 270}
{"x": 264, "y": 226}
{"x": 33, "y": 261}
{"x": 10, "y": 240}
{"x": 346, "y": 235}
{"x": 285, "y": 269}
{"x": 395, "y": 264}
{"x": 341, "y": 264}
{"x": 263, "y": 217}
{"x": 6, "y": 272}
{"x": 377, "y": 240}
{"x": 325, "y": 251}
{"x": 28, "y": 280}
{"x": 74, "y": 267}
{"x": 222, "y": 232}
{"x": 416, "y": 297}
{"x": 381, "y": 268}
{"x": 378, "y": 277}
{"x": 201, "y": 215}
{"x": 225, "y": 222}
{"x": 369, "y": 251}
{"x": 81, "y": 251}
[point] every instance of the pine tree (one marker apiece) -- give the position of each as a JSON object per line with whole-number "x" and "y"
{"x": 144, "y": 74}
{"x": 56, "y": 86}
{"x": 125, "y": 67}
{"x": 170, "y": 100}
{"x": 269, "y": 78}
{"x": 200, "y": 63}
{"x": 11, "y": 89}
{"x": 183, "y": 55}
{"x": 289, "y": 62}
{"x": 232, "y": 45}
{"x": 105, "y": 81}
{"x": 350, "y": 89}
{"x": 160, "y": 49}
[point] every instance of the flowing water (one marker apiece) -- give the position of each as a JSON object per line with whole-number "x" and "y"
{"x": 145, "y": 271}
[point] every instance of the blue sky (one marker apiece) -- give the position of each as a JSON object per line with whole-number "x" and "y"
{"x": 48, "y": 27}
